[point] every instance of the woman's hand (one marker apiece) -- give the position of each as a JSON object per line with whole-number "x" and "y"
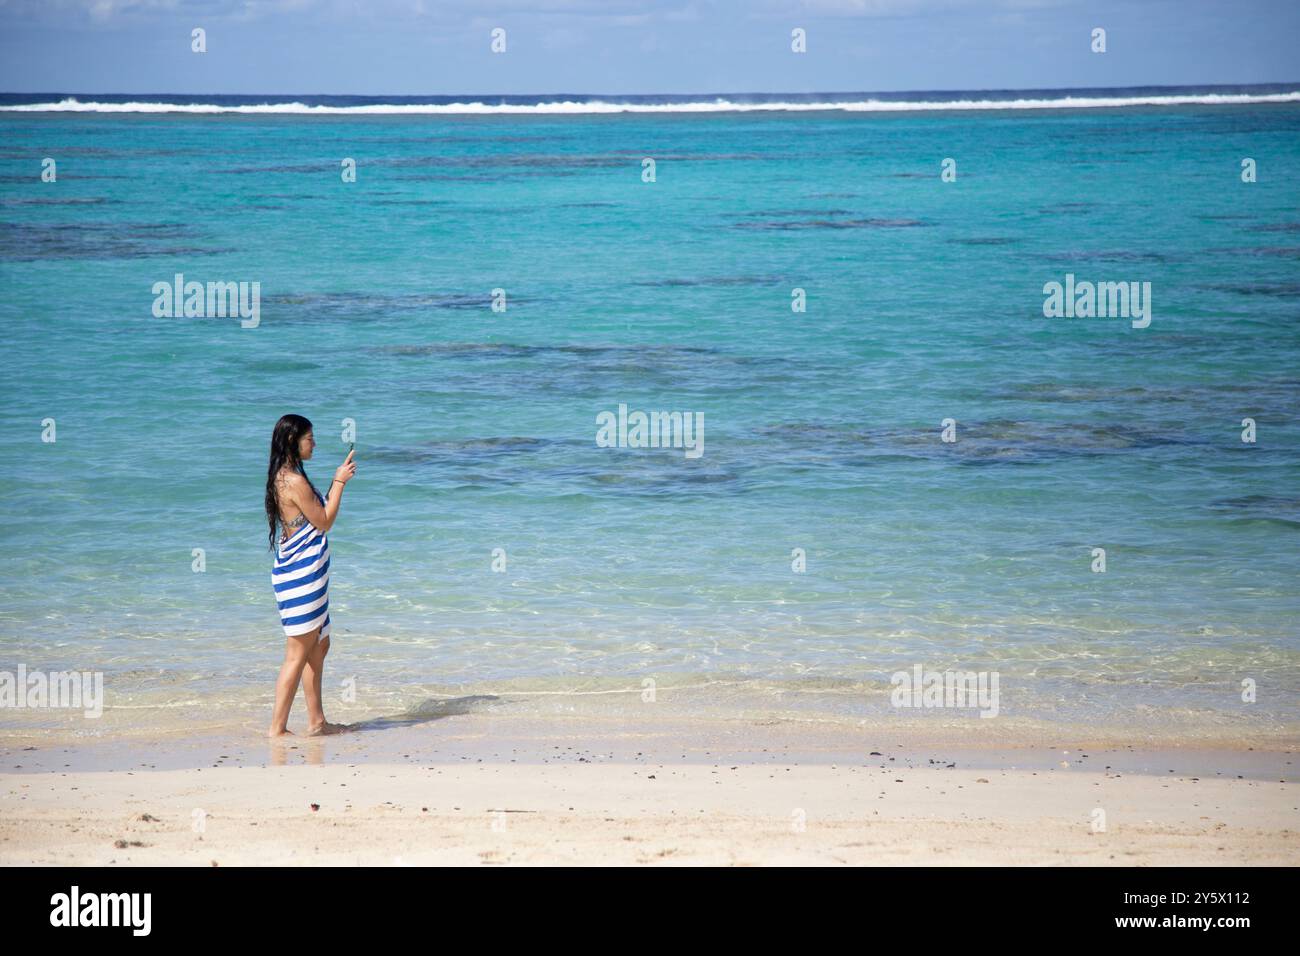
{"x": 345, "y": 471}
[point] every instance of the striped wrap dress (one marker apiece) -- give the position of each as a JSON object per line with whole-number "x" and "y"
{"x": 300, "y": 578}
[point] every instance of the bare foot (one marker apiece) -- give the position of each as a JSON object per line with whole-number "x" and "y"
{"x": 326, "y": 728}
{"x": 280, "y": 733}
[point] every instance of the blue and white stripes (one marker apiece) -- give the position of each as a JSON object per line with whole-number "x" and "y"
{"x": 301, "y": 579}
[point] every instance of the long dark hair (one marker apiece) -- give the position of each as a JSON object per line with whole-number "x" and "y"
{"x": 284, "y": 451}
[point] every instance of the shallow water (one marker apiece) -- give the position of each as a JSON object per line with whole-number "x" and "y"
{"x": 476, "y": 430}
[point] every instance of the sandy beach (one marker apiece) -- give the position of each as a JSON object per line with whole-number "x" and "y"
{"x": 556, "y": 792}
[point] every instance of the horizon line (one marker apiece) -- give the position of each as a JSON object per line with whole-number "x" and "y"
{"x": 717, "y": 93}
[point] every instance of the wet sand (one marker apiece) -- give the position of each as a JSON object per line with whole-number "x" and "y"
{"x": 470, "y": 791}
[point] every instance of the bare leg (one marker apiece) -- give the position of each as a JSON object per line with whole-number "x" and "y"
{"x": 313, "y": 678}
{"x": 296, "y": 650}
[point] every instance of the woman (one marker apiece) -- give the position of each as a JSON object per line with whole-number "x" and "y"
{"x": 301, "y": 574}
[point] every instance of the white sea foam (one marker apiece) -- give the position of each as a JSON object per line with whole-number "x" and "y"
{"x": 72, "y": 105}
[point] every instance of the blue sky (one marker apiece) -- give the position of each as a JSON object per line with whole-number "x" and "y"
{"x": 408, "y": 47}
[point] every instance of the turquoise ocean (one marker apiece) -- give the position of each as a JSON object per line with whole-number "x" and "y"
{"x": 634, "y": 568}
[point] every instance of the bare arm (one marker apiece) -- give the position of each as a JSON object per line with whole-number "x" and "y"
{"x": 322, "y": 518}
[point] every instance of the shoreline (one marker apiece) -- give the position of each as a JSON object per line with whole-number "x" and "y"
{"x": 680, "y": 737}
{"x": 824, "y": 721}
